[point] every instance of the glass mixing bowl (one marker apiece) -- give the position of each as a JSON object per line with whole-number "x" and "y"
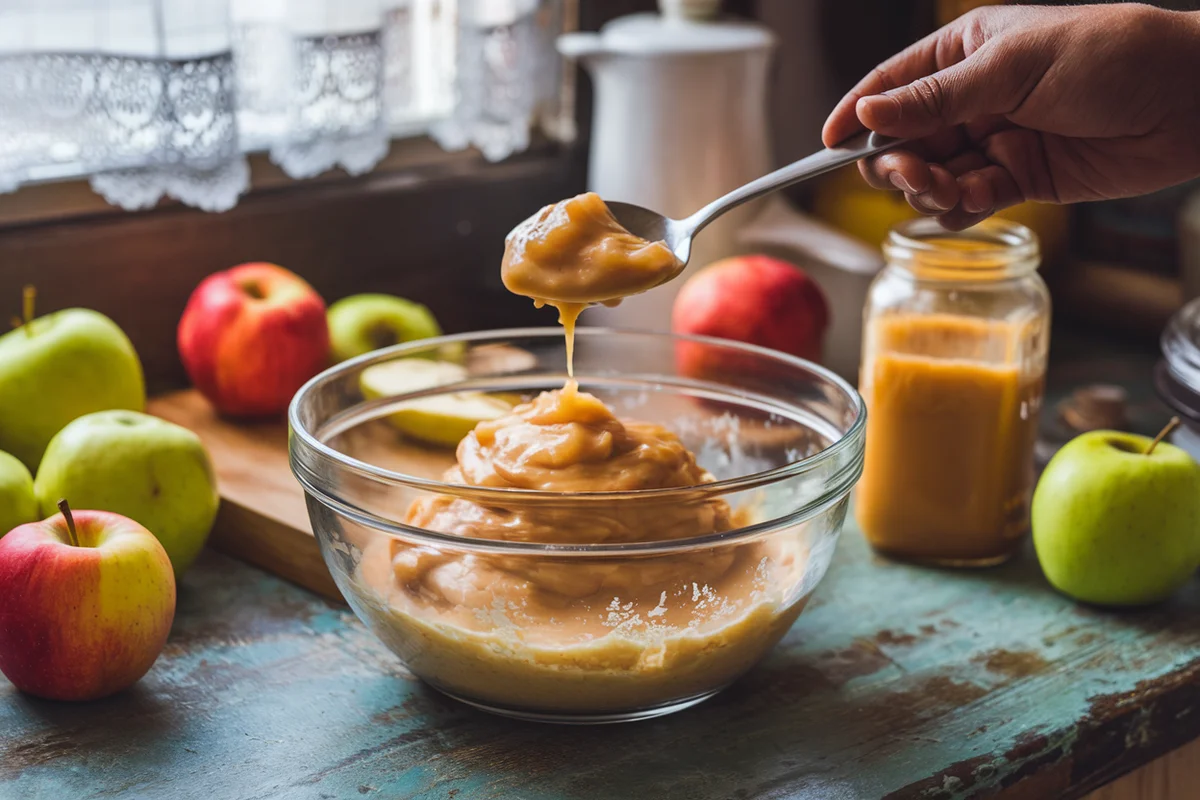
{"x": 556, "y": 618}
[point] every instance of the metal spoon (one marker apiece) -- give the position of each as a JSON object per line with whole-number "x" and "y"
{"x": 678, "y": 233}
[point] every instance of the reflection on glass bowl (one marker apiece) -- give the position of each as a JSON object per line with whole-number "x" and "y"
{"x": 597, "y": 605}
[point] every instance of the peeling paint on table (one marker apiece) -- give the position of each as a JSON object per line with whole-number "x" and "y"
{"x": 897, "y": 682}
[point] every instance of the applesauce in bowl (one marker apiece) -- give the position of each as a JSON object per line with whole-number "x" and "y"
{"x": 707, "y": 513}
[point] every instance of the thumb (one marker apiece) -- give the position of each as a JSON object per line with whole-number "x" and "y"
{"x": 975, "y": 87}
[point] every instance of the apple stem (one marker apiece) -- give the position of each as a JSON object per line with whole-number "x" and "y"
{"x": 1170, "y": 426}
{"x": 65, "y": 508}
{"x": 28, "y": 299}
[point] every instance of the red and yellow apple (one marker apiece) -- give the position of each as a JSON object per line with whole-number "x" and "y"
{"x": 754, "y": 299}
{"x": 86, "y": 603}
{"x": 251, "y": 336}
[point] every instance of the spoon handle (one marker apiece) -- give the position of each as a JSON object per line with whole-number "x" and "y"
{"x": 856, "y": 147}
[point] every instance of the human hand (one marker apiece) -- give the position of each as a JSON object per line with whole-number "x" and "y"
{"x": 1058, "y": 105}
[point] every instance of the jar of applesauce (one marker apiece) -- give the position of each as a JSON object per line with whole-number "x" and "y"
{"x": 956, "y": 333}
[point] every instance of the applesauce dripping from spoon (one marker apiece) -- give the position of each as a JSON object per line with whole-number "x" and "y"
{"x": 574, "y": 254}
{"x": 568, "y": 315}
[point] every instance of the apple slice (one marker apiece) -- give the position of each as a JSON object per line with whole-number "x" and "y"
{"x": 441, "y": 420}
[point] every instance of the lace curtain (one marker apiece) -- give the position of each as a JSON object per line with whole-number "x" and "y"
{"x": 165, "y": 97}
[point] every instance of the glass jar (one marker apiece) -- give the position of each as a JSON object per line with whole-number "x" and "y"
{"x": 956, "y": 333}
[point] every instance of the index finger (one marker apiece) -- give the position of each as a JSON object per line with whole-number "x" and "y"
{"x": 935, "y": 52}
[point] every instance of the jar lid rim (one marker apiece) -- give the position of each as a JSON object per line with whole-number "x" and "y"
{"x": 995, "y": 236}
{"x": 999, "y": 249}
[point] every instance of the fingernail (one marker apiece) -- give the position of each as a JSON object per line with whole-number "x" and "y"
{"x": 882, "y": 109}
{"x": 927, "y": 202}
{"x": 898, "y": 181}
{"x": 972, "y": 203}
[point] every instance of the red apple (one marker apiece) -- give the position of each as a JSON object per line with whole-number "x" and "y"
{"x": 753, "y": 299}
{"x": 251, "y": 336}
{"x": 86, "y": 603}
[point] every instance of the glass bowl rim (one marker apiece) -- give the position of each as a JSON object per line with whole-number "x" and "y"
{"x": 740, "y": 483}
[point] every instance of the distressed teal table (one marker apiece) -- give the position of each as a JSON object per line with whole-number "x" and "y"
{"x": 897, "y": 682}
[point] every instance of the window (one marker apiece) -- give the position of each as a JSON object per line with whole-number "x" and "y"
{"x": 148, "y": 98}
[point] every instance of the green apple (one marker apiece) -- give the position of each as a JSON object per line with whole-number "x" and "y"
{"x": 364, "y": 322}
{"x": 1116, "y": 519}
{"x": 56, "y": 368}
{"x": 17, "y": 503}
{"x": 442, "y": 419}
{"x": 150, "y": 470}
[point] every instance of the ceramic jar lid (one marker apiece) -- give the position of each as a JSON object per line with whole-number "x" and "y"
{"x": 648, "y": 34}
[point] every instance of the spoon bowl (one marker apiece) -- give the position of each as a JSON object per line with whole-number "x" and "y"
{"x": 654, "y": 227}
